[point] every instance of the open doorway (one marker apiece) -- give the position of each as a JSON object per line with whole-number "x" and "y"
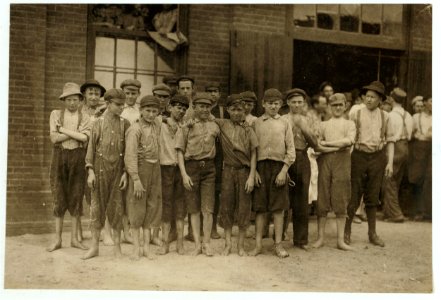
{"x": 347, "y": 67}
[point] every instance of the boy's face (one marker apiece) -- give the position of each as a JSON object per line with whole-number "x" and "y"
{"x": 115, "y": 108}
{"x": 202, "y": 110}
{"x": 177, "y": 111}
{"x": 372, "y": 100}
{"x": 131, "y": 95}
{"x": 418, "y": 107}
{"x": 338, "y": 109}
{"x": 215, "y": 95}
{"x": 328, "y": 91}
{"x": 149, "y": 113}
{"x": 386, "y": 107}
{"x": 92, "y": 95}
{"x": 72, "y": 102}
{"x": 237, "y": 112}
{"x": 186, "y": 88}
{"x": 272, "y": 107}
{"x": 248, "y": 107}
{"x": 163, "y": 100}
{"x": 296, "y": 104}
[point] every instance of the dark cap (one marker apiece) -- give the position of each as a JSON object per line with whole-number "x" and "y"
{"x": 295, "y": 92}
{"x": 337, "y": 97}
{"x": 185, "y": 77}
{"x": 132, "y": 84}
{"x": 161, "y": 89}
{"x": 249, "y": 96}
{"x": 149, "y": 100}
{"x": 172, "y": 79}
{"x": 212, "y": 87}
{"x": 202, "y": 98}
{"x": 115, "y": 95}
{"x": 234, "y": 99}
{"x": 398, "y": 95}
{"x": 272, "y": 95}
{"x": 375, "y": 86}
{"x": 179, "y": 99}
{"x": 92, "y": 83}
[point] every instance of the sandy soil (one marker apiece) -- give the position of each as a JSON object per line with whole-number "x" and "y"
{"x": 404, "y": 265}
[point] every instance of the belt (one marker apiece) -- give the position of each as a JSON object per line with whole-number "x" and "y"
{"x": 201, "y": 162}
{"x": 236, "y": 167}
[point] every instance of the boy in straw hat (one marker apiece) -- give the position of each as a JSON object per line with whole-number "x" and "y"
{"x": 69, "y": 131}
{"x": 105, "y": 167}
{"x": 336, "y": 136}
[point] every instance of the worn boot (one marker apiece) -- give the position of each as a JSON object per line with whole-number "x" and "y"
{"x": 374, "y": 239}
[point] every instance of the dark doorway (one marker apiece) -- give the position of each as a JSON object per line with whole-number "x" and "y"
{"x": 347, "y": 67}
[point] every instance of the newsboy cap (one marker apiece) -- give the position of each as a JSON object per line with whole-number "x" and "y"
{"x": 69, "y": 89}
{"x": 249, "y": 96}
{"x": 92, "y": 83}
{"x": 161, "y": 89}
{"x": 337, "y": 97}
{"x": 398, "y": 95}
{"x": 295, "y": 92}
{"x": 149, "y": 100}
{"x": 272, "y": 95}
{"x": 132, "y": 84}
{"x": 212, "y": 87}
{"x": 202, "y": 98}
{"x": 185, "y": 77}
{"x": 179, "y": 99}
{"x": 234, "y": 99}
{"x": 115, "y": 95}
{"x": 171, "y": 79}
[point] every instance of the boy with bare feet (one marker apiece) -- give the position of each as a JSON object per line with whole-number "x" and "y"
{"x": 144, "y": 196}
{"x": 275, "y": 154}
{"x": 334, "y": 176}
{"x": 105, "y": 166}
{"x": 239, "y": 144}
{"x": 173, "y": 202}
{"x": 69, "y": 131}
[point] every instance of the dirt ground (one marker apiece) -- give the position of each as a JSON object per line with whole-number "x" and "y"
{"x": 404, "y": 265}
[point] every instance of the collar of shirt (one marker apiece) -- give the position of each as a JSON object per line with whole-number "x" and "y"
{"x": 266, "y": 117}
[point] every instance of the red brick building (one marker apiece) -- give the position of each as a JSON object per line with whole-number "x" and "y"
{"x": 238, "y": 46}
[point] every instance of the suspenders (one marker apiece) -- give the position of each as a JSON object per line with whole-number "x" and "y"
{"x": 80, "y": 118}
{"x": 382, "y": 131}
{"x": 121, "y": 128}
{"x": 404, "y": 133}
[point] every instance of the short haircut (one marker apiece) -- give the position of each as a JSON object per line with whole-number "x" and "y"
{"x": 325, "y": 84}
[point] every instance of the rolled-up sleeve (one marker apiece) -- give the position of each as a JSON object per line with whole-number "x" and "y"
{"x": 290, "y": 154}
{"x": 131, "y": 153}
{"x": 54, "y": 134}
{"x": 181, "y": 143}
{"x": 390, "y": 130}
{"x": 352, "y": 131}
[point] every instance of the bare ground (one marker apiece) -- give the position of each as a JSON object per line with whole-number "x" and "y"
{"x": 404, "y": 265}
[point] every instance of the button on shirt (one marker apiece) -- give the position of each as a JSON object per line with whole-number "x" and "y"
{"x": 142, "y": 144}
{"x": 336, "y": 129}
{"x": 130, "y": 113}
{"x": 402, "y": 127}
{"x": 238, "y": 140}
{"x": 70, "y": 122}
{"x": 369, "y": 133}
{"x": 168, "y": 155}
{"x": 198, "y": 141}
{"x": 422, "y": 126}
{"x": 276, "y": 142}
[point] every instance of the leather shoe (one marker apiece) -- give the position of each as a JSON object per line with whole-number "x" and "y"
{"x": 375, "y": 240}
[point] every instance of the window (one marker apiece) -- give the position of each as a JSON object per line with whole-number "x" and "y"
{"x": 371, "y": 18}
{"x": 304, "y": 15}
{"x": 327, "y": 16}
{"x": 349, "y": 17}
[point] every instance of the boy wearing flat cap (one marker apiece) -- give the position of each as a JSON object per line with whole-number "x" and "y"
{"x": 371, "y": 159}
{"x": 300, "y": 170}
{"x": 275, "y": 154}
{"x": 173, "y": 200}
{"x": 239, "y": 144}
{"x": 336, "y": 136}
{"x": 69, "y": 132}
{"x": 131, "y": 88}
{"x": 144, "y": 195}
{"x": 250, "y": 99}
{"x": 402, "y": 123}
{"x": 196, "y": 148}
{"x": 163, "y": 93}
{"x": 106, "y": 175}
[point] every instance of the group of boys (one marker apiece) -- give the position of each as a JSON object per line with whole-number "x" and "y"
{"x": 151, "y": 162}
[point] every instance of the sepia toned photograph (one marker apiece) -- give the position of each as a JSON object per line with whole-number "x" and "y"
{"x": 219, "y": 147}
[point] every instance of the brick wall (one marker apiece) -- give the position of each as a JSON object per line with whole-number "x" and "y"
{"x": 47, "y": 48}
{"x": 422, "y": 27}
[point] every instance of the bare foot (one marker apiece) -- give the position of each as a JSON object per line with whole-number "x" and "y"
{"x": 242, "y": 252}
{"x": 343, "y": 246}
{"x": 117, "y": 251}
{"x": 91, "y": 253}
{"x": 227, "y": 250}
{"x": 318, "y": 243}
{"x": 164, "y": 249}
{"x": 78, "y": 244}
{"x": 107, "y": 240}
{"x": 55, "y": 246}
{"x": 127, "y": 238}
{"x": 256, "y": 251}
{"x": 80, "y": 237}
{"x": 156, "y": 241}
{"x": 180, "y": 248}
{"x": 207, "y": 250}
{"x": 197, "y": 250}
{"x": 135, "y": 255}
{"x": 280, "y": 251}
{"x": 149, "y": 254}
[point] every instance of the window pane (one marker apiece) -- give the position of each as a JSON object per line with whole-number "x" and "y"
{"x": 371, "y": 18}
{"x": 327, "y": 16}
{"x": 104, "y": 51}
{"x": 125, "y": 51}
{"x": 166, "y": 60}
{"x": 349, "y": 17}
{"x": 392, "y": 19}
{"x": 304, "y": 15}
{"x": 105, "y": 78}
{"x": 146, "y": 56}
{"x": 147, "y": 83}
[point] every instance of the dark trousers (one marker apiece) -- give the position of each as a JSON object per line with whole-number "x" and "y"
{"x": 300, "y": 173}
{"x": 391, "y": 186}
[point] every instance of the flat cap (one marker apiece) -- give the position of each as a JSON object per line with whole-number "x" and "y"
{"x": 416, "y": 99}
{"x": 249, "y": 96}
{"x": 171, "y": 79}
{"x": 398, "y": 95}
{"x": 272, "y": 95}
{"x": 115, "y": 95}
{"x": 234, "y": 99}
{"x": 92, "y": 83}
{"x": 212, "y": 87}
{"x": 131, "y": 84}
{"x": 336, "y": 98}
{"x": 161, "y": 89}
{"x": 149, "y": 100}
{"x": 185, "y": 77}
{"x": 202, "y": 98}
{"x": 179, "y": 99}
{"x": 295, "y": 92}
